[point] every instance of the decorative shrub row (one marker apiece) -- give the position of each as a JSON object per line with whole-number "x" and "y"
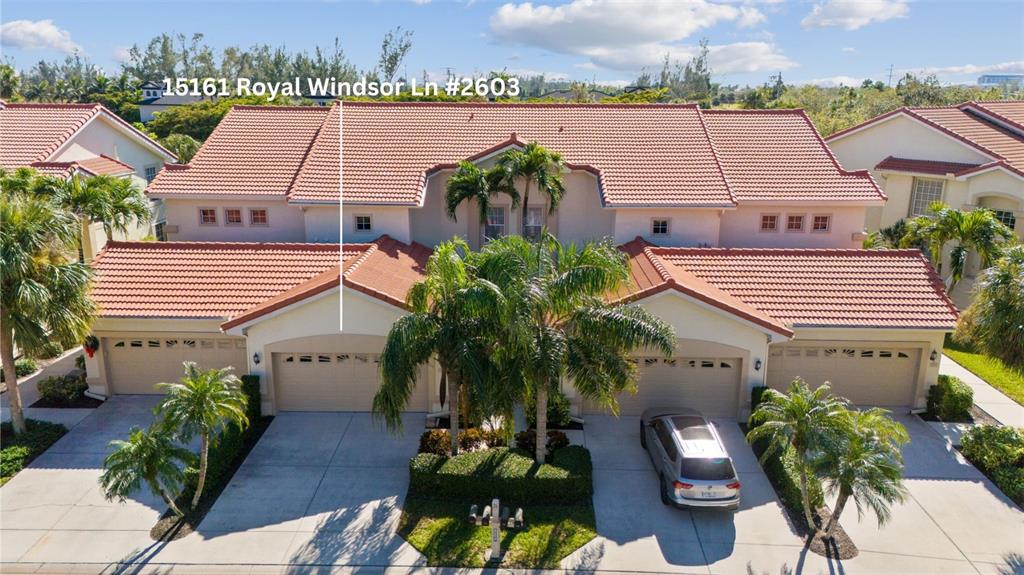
{"x": 998, "y": 452}
{"x": 509, "y": 474}
{"x": 62, "y": 390}
{"x": 17, "y": 451}
{"x": 22, "y": 367}
{"x": 950, "y": 399}
{"x": 527, "y": 441}
{"x": 438, "y": 441}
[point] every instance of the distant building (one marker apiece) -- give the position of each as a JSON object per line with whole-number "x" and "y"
{"x": 154, "y": 101}
{"x": 1000, "y": 80}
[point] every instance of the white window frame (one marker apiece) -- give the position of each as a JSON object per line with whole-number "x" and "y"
{"x": 241, "y": 217}
{"x": 828, "y": 223}
{"x": 668, "y": 227}
{"x": 504, "y": 225}
{"x": 145, "y": 172}
{"x": 355, "y": 223}
{"x": 803, "y": 223}
{"x": 527, "y": 225}
{"x": 912, "y": 209}
{"x": 266, "y": 217}
{"x": 760, "y": 224}
{"x": 215, "y": 221}
{"x": 1003, "y": 216}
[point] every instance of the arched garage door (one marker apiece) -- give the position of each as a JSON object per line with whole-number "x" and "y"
{"x": 338, "y": 381}
{"x": 868, "y": 375}
{"x": 137, "y": 364}
{"x": 710, "y": 385}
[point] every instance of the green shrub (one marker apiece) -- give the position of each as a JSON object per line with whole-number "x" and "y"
{"x": 437, "y": 441}
{"x": 509, "y": 474}
{"x": 49, "y": 350}
{"x": 783, "y": 470}
{"x": 527, "y": 440}
{"x": 22, "y": 367}
{"x": 756, "y": 394}
{"x": 17, "y": 451}
{"x": 558, "y": 409}
{"x": 950, "y": 399}
{"x": 991, "y": 447}
{"x": 251, "y": 389}
{"x": 62, "y": 390}
{"x": 80, "y": 361}
{"x": 1011, "y": 481}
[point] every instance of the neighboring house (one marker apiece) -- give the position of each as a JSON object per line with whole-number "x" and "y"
{"x": 967, "y": 156}
{"x": 154, "y": 101}
{"x": 673, "y": 174}
{"x": 257, "y": 293}
{"x": 87, "y": 139}
{"x": 1001, "y": 80}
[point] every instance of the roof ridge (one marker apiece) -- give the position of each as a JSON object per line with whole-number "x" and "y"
{"x": 303, "y": 246}
{"x": 52, "y": 104}
{"x": 901, "y": 252}
{"x": 471, "y": 104}
{"x": 276, "y": 108}
{"x": 309, "y": 148}
{"x": 714, "y": 154}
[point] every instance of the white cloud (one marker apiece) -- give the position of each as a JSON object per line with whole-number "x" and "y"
{"x": 526, "y": 73}
{"x": 850, "y": 50}
{"x": 833, "y": 81}
{"x": 421, "y": 2}
{"x": 1009, "y": 67}
{"x": 37, "y": 35}
{"x": 122, "y": 54}
{"x": 854, "y": 14}
{"x": 631, "y": 35}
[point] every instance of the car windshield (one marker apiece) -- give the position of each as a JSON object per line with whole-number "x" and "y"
{"x": 706, "y": 468}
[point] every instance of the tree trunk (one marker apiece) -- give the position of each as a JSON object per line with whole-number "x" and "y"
{"x": 453, "y": 413}
{"x": 806, "y": 497}
{"x": 844, "y": 496}
{"x": 11, "y": 377}
{"x": 526, "y": 204}
{"x": 84, "y": 239}
{"x": 542, "y": 424}
{"x": 170, "y": 503}
{"x": 204, "y": 453}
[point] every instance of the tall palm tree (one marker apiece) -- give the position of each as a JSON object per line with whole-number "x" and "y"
{"x": 975, "y": 230}
{"x": 534, "y": 163}
{"x": 560, "y": 324}
{"x": 994, "y": 319}
{"x": 449, "y": 320}
{"x": 865, "y": 464}
{"x": 43, "y": 297}
{"x": 203, "y": 403}
{"x": 804, "y": 419}
{"x": 127, "y": 204}
{"x": 470, "y": 182}
{"x": 149, "y": 456}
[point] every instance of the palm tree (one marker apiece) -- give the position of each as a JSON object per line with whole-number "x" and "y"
{"x": 803, "y": 419}
{"x": 43, "y": 297}
{"x": 978, "y": 230}
{"x": 865, "y": 464}
{"x": 149, "y": 456}
{"x": 449, "y": 318}
{"x": 535, "y": 163}
{"x": 203, "y": 403}
{"x": 994, "y": 319}
{"x": 127, "y": 204}
{"x": 470, "y": 182}
{"x": 559, "y": 323}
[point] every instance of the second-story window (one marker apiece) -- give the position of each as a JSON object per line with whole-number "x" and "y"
{"x": 258, "y": 217}
{"x": 495, "y": 227}
{"x": 659, "y": 227}
{"x": 208, "y": 216}
{"x": 364, "y": 224}
{"x": 534, "y": 222}
{"x": 926, "y": 191}
{"x": 232, "y": 216}
{"x": 150, "y": 173}
{"x": 769, "y": 223}
{"x": 821, "y": 223}
{"x": 795, "y": 223}
{"x": 1006, "y": 217}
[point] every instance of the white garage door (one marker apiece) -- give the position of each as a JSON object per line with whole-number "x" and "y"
{"x": 874, "y": 375}
{"x": 135, "y": 365}
{"x": 331, "y": 382}
{"x": 710, "y": 385}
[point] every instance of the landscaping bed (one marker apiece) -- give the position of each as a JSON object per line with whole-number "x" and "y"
{"x": 17, "y": 451}
{"x": 556, "y": 499}
{"x": 998, "y": 452}
{"x": 994, "y": 371}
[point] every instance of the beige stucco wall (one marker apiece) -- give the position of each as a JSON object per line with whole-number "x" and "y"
{"x": 687, "y": 227}
{"x": 286, "y": 223}
{"x": 742, "y": 227}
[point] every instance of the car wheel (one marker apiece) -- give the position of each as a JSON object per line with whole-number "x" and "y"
{"x": 664, "y": 493}
{"x": 643, "y": 435}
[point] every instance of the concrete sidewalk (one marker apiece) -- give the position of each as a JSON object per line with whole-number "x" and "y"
{"x": 988, "y": 398}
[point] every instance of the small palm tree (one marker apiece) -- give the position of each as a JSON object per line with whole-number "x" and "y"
{"x": 470, "y": 182}
{"x": 978, "y": 230}
{"x": 449, "y": 318}
{"x": 149, "y": 456}
{"x": 866, "y": 464}
{"x": 203, "y": 403}
{"x": 804, "y": 419}
{"x": 43, "y": 297}
{"x": 534, "y": 163}
{"x": 558, "y": 322}
{"x": 994, "y": 319}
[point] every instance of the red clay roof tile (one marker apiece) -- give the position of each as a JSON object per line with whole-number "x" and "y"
{"x": 922, "y": 166}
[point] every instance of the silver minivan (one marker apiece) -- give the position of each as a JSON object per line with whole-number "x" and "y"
{"x": 693, "y": 467}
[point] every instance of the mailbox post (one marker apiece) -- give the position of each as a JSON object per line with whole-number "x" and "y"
{"x": 494, "y": 555}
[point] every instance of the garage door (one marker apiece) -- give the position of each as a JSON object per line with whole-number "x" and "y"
{"x": 136, "y": 365}
{"x": 330, "y": 382}
{"x": 710, "y": 385}
{"x": 872, "y": 375}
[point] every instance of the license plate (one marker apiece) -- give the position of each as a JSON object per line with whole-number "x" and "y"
{"x": 709, "y": 494}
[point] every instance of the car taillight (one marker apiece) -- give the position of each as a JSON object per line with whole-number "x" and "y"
{"x": 681, "y": 485}
{"x": 734, "y": 485}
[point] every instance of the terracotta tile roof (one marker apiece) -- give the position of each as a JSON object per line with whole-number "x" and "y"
{"x": 777, "y": 155}
{"x": 972, "y": 124}
{"x": 253, "y": 151}
{"x": 894, "y": 164}
{"x": 32, "y": 132}
{"x": 99, "y": 165}
{"x": 810, "y": 287}
{"x": 319, "y": 178}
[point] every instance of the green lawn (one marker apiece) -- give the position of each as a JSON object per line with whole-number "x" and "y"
{"x": 17, "y": 451}
{"x": 441, "y": 531}
{"x": 999, "y": 375}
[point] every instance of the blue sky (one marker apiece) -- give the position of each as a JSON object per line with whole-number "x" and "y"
{"x": 824, "y": 41}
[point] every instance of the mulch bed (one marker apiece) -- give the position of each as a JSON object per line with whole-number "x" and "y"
{"x": 83, "y": 402}
{"x": 171, "y": 527}
{"x": 976, "y": 415}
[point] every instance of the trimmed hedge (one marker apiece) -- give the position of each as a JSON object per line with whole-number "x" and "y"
{"x": 950, "y": 399}
{"x": 509, "y": 474}
{"x": 998, "y": 452}
{"x": 22, "y": 367}
{"x": 62, "y": 390}
{"x": 783, "y": 470}
{"x": 527, "y": 441}
{"x": 438, "y": 442}
{"x": 17, "y": 451}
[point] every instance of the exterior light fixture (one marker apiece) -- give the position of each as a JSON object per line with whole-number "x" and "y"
{"x": 256, "y": 358}
{"x": 757, "y": 364}
{"x": 934, "y": 356}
